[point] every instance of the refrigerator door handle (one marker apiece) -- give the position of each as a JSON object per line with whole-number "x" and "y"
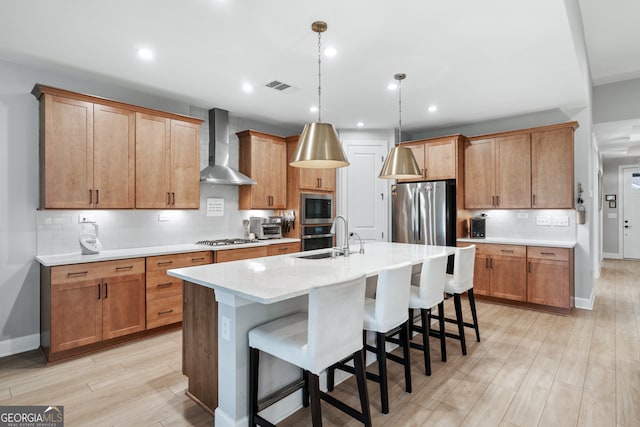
{"x": 416, "y": 215}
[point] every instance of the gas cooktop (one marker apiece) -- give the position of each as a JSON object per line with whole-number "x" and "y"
{"x": 225, "y": 242}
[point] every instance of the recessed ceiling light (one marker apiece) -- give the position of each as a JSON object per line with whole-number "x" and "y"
{"x": 247, "y": 87}
{"x": 433, "y": 108}
{"x": 330, "y": 52}
{"x": 360, "y": 124}
{"x": 392, "y": 86}
{"x": 313, "y": 109}
{"x": 145, "y": 53}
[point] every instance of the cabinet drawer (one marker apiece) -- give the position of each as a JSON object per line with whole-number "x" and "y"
{"x": 242, "y": 253}
{"x": 96, "y": 270}
{"x": 160, "y": 285}
{"x": 540, "y": 252}
{"x": 491, "y": 249}
{"x": 283, "y": 248}
{"x": 165, "y": 262}
{"x": 164, "y": 311}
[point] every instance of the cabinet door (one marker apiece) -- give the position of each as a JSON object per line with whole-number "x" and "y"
{"x": 513, "y": 172}
{"x": 552, "y": 169}
{"x": 239, "y": 254}
{"x": 114, "y": 157}
{"x": 257, "y": 158}
{"x": 508, "y": 277}
{"x": 479, "y": 174}
{"x": 123, "y": 305}
{"x": 277, "y": 172}
{"x": 481, "y": 275}
{"x": 317, "y": 179}
{"x": 283, "y": 248}
{"x": 153, "y": 158}
{"x": 76, "y": 314}
{"x": 67, "y": 163}
{"x": 440, "y": 160}
{"x": 548, "y": 282}
{"x": 185, "y": 165}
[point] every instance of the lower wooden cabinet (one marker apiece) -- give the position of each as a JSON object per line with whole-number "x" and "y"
{"x": 164, "y": 293}
{"x": 541, "y": 277}
{"x": 83, "y": 304}
{"x": 549, "y": 273}
{"x": 500, "y": 271}
{"x": 283, "y": 248}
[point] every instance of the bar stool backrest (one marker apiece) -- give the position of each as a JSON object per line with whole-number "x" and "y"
{"x": 336, "y": 315}
{"x": 432, "y": 280}
{"x": 464, "y": 260}
{"x": 392, "y": 296}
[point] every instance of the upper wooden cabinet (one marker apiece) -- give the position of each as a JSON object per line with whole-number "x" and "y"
{"x": 498, "y": 172}
{"x": 437, "y": 158}
{"x": 89, "y": 160}
{"x": 552, "y": 168}
{"x": 263, "y": 157}
{"x": 526, "y": 169}
{"x": 167, "y": 163}
{"x": 86, "y": 153}
{"x": 312, "y": 179}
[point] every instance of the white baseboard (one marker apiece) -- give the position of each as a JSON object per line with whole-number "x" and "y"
{"x": 19, "y": 345}
{"x": 611, "y": 255}
{"x": 585, "y": 303}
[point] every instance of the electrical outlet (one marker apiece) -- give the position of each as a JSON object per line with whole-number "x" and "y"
{"x": 225, "y": 328}
{"x": 522, "y": 215}
{"x": 560, "y": 221}
{"x": 543, "y": 220}
{"x": 163, "y": 218}
{"x": 86, "y": 218}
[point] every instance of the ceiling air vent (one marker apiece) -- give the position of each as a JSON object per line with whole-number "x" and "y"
{"x": 275, "y": 84}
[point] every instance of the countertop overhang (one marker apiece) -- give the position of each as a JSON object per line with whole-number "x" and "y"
{"x": 277, "y": 278}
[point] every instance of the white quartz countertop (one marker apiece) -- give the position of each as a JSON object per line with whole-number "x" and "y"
{"x": 277, "y": 278}
{"x": 108, "y": 255}
{"x": 522, "y": 241}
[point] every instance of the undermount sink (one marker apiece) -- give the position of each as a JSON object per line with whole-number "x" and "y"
{"x": 316, "y": 256}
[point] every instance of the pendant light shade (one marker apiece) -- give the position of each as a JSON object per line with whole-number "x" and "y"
{"x": 319, "y": 145}
{"x": 400, "y": 162}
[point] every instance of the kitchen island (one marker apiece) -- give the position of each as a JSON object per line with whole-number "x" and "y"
{"x": 229, "y": 299}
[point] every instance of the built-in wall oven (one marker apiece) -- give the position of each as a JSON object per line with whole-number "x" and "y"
{"x": 316, "y": 208}
{"x": 316, "y": 237}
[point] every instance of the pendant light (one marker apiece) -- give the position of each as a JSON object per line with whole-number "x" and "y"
{"x": 319, "y": 145}
{"x": 400, "y": 162}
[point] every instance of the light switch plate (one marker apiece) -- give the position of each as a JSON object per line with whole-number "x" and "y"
{"x": 560, "y": 221}
{"x": 612, "y": 215}
{"x": 543, "y": 220}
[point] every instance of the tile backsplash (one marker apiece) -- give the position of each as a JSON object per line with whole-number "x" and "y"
{"x": 544, "y": 224}
{"x": 59, "y": 230}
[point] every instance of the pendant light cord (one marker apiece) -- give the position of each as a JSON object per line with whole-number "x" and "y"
{"x": 399, "y": 111}
{"x": 319, "y": 80}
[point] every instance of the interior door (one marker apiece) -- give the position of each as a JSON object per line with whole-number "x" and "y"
{"x": 631, "y": 213}
{"x": 366, "y": 204}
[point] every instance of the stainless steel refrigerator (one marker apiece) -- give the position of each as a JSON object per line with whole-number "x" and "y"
{"x": 424, "y": 213}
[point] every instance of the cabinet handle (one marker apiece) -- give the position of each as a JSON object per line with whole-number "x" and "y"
{"x": 548, "y": 253}
{"x": 90, "y": 197}
{"x": 529, "y": 266}
{"x": 165, "y": 263}
{"x": 97, "y": 196}
{"x": 493, "y": 200}
{"x": 125, "y": 268}
{"x": 486, "y": 262}
{"x": 497, "y": 200}
{"x": 197, "y": 259}
{"x": 173, "y": 198}
{"x": 533, "y": 200}
{"x": 424, "y": 173}
{"x": 166, "y": 311}
{"x": 77, "y": 274}
{"x": 318, "y": 182}
{"x": 99, "y": 290}
{"x": 168, "y": 198}
{"x": 507, "y": 251}
{"x": 106, "y": 290}
{"x": 164, "y": 285}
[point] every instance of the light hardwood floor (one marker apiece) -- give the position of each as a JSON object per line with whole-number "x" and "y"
{"x": 530, "y": 369}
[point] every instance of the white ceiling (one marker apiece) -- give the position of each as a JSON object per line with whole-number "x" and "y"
{"x": 475, "y": 60}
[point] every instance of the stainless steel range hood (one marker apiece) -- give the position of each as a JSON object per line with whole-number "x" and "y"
{"x": 221, "y": 173}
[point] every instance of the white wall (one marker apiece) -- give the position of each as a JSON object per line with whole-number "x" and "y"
{"x": 616, "y": 101}
{"x": 25, "y": 231}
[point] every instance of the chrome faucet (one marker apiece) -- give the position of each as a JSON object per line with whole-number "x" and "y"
{"x": 345, "y": 247}
{"x": 359, "y": 238}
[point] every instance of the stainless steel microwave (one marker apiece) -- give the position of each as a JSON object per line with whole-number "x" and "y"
{"x": 316, "y": 208}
